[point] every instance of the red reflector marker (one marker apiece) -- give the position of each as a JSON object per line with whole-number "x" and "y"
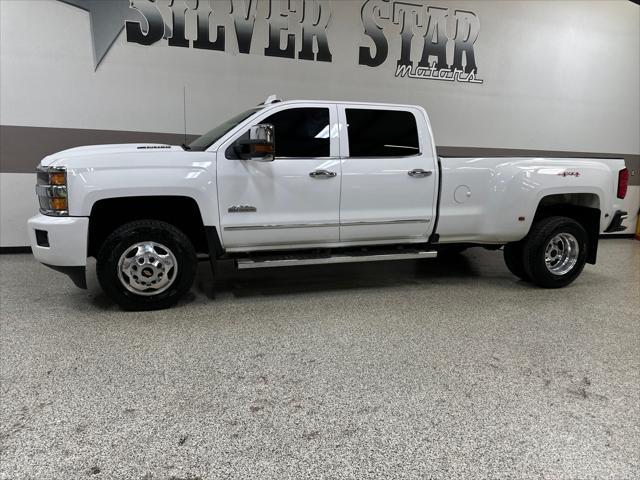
{"x": 623, "y": 182}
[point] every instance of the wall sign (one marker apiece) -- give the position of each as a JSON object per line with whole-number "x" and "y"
{"x": 310, "y": 18}
{"x": 221, "y": 23}
{"x": 415, "y": 19}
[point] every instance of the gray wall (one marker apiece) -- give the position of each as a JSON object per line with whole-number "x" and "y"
{"x": 560, "y": 76}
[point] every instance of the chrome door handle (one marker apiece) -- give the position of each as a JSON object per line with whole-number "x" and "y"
{"x": 419, "y": 172}
{"x": 322, "y": 174}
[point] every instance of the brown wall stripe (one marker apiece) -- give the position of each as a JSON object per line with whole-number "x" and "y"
{"x": 21, "y": 148}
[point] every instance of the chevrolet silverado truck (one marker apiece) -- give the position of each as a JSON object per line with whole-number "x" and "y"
{"x": 312, "y": 182}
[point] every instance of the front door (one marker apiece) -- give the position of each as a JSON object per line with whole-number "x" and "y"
{"x": 389, "y": 174}
{"x": 292, "y": 201}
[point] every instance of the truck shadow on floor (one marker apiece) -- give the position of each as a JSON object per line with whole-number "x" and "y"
{"x": 474, "y": 268}
{"x": 464, "y": 270}
{"x": 318, "y": 278}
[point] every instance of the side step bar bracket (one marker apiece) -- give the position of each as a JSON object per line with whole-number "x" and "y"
{"x": 288, "y": 261}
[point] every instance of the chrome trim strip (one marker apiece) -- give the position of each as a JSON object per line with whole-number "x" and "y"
{"x": 276, "y": 226}
{"x": 386, "y": 222}
{"x": 298, "y": 245}
{"x": 377, "y": 157}
{"x": 244, "y": 264}
{"x": 312, "y": 225}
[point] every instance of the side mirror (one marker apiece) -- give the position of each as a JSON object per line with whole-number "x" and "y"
{"x": 260, "y": 146}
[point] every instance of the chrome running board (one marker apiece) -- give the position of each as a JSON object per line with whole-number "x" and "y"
{"x": 290, "y": 261}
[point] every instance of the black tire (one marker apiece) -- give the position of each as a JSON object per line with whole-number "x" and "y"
{"x": 162, "y": 234}
{"x": 540, "y": 235}
{"x": 514, "y": 259}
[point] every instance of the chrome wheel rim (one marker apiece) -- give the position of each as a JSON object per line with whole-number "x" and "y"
{"x": 561, "y": 254}
{"x": 147, "y": 268}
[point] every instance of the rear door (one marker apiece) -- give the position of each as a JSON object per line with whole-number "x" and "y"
{"x": 292, "y": 201}
{"x": 389, "y": 177}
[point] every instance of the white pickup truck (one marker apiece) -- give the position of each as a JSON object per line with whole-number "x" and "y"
{"x": 312, "y": 182}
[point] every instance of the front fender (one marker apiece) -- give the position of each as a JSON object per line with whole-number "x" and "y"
{"x": 87, "y": 185}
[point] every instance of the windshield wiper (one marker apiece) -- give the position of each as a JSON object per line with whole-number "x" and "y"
{"x": 185, "y": 147}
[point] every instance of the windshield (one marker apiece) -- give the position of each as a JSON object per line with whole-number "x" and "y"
{"x": 212, "y": 136}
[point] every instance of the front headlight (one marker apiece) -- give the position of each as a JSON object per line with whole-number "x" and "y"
{"x": 52, "y": 191}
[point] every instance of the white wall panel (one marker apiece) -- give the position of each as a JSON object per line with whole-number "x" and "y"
{"x": 17, "y": 203}
{"x": 558, "y": 75}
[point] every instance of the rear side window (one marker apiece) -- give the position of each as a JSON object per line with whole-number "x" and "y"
{"x": 301, "y": 132}
{"x": 382, "y": 133}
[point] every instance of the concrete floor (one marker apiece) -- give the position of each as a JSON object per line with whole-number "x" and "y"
{"x": 391, "y": 370}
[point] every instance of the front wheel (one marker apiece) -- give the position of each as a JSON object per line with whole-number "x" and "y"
{"x": 146, "y": 265}
{"x": 555, "y": 252}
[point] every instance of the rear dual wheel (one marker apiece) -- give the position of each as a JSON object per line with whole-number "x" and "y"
{"x": 552, "y": 255}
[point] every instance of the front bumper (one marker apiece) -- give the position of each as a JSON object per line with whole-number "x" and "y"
{"x": 61, "y": 243}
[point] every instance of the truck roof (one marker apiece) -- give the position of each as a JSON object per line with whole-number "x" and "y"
{"x": 271, "y": 101}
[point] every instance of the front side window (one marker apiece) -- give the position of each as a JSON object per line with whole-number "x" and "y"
{"x": 382, "y": 133}
{"x": 301, "y": 132}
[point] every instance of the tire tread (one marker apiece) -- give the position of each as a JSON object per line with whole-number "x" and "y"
{"x": 536, "y": 240}
{"x": 106, "y": 259}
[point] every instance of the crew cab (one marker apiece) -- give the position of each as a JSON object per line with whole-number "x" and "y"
{"x": 311, "y": 182}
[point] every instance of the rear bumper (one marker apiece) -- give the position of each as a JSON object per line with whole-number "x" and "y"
{"x": 61, "y": 243}
{"x": 616, "y": 222}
